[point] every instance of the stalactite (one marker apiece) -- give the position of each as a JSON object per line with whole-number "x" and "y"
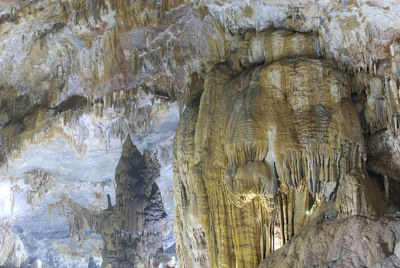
{"x": 40, "y": 183}
{"x": 258, "y": 142}
{"x": 14, "y": 190}
{"x": 115, "y": 114}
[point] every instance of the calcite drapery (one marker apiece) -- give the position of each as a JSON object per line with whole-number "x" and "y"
{"x": 254, "y": 151}
{"x": 40, "y": 183}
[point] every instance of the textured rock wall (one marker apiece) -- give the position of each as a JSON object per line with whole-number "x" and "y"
{"x": 85, "y": 56}
{"x": 256, "y": 151}
{"x": 77, "y": 75}
{"x": 219, "y": 155}
{"x": 40, "y": 183}
{"x": 351, "y": 242}
{"x": 97, "y": 70}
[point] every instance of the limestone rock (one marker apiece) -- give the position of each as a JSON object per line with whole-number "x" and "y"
{"x": 287, "y": 106}
{"x": 253, "y": 136}
{"x": 352, "y": 242}
{"x": 92, "y": 264}
{"x": 359, "y": 195}
{"x": 40, "y": 183}
{"x": 132, "y": 228}
{"x": 132, "y": 231}
{"x": 12, "y": 251}
{"x": 37, "y": 264}
{"x": 397, "y": 250}
{"x": 390, "y": 262}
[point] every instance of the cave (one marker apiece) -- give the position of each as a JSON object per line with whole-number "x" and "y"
{"x": 176, "y": 133}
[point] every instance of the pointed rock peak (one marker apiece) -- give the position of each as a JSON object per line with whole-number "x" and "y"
{"x": 129, "y": 150}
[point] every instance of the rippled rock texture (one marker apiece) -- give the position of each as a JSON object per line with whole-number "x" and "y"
{"x": 287, "y": 109}
{"x": 355, "y": 241}
{"x": 257, "y": 151}
{"x": 97, "y": 58}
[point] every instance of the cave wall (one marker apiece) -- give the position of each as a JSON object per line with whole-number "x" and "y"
{"x": 254, "y": 150}
{"x": 78, "y": 76}
{"x": 98, "y": 58}
{"x": 268, "y": 138}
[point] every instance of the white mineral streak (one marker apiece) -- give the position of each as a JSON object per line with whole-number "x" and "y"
{"x": 12, "y": 251}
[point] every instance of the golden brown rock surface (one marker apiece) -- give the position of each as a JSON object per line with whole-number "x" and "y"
{"x": 351, "y": 242}
{"x": 82, "y": 52}
{"x": 255, "y": 152}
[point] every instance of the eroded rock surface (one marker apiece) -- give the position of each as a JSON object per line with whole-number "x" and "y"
{"x": 12, "y": 251}
{"x": 131, "y": 229}
{"x": 259, "y": 150}
{"x": 355, "y": 241}
{"x": 286, "y": 105}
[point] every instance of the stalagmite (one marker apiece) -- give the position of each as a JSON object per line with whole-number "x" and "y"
{"x": 132, "y": 228}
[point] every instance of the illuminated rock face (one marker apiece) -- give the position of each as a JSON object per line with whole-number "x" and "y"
{"x": 255, "y": 152}
{"x": 326, "y": 241}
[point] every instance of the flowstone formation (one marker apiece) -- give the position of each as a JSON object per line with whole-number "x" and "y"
{"x": 258, "y": 150}
{"x": 132, "y": 228}
{"x": 290, "y": 119}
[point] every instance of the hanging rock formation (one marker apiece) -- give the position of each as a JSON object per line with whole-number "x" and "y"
{"x": 40, "y": 183}
{"x": 256, "y": 151}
